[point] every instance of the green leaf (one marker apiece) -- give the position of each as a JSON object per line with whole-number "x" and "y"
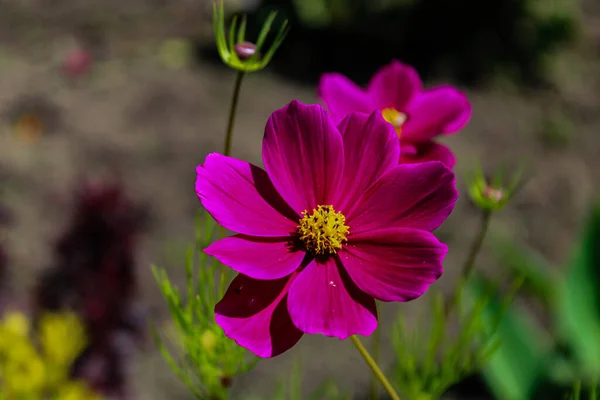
{"x": 516, "y": 366}
{"x": 526, "y": 263}
{"x": 578, "y": 315}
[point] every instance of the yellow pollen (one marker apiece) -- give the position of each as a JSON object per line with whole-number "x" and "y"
{"x": 394, "y": 117}
{"x": 323, "y": 231}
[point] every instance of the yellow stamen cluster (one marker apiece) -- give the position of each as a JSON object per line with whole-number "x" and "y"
{"x": 323, "y": 231}
{"x": 394, "y": 117}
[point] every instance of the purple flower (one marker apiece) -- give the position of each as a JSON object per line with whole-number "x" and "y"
{"x": 94, "y": 274}
{"x": 331, "y": 225}
{"x": 417, "y": 115}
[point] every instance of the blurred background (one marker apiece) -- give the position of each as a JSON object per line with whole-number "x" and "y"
{"x": 107, "y": 106}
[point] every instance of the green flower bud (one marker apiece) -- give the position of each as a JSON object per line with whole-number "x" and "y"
{"x": 209, "y": 340}
{"x": 236, "y": 51}
{"x": 494, "y": 194}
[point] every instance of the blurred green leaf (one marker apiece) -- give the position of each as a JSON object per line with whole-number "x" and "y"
{"x": 556, "y": 130}
{"x": 204, "y": 358}
{"x": 579, "y": 298}
{"x": 519, "y": 362}
{"x": 175, "y": 53}
{"x": 537, "y": 275}
{"x": 429, "y": 359}
{"x": 314, "y": 13}
{"x": 291, "y": 388}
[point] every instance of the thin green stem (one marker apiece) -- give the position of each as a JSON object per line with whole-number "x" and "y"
{"x": 476, "y": 245}
{"x": 227, "y": 151}
{"x": 576, "y": 391}
{"x": 375, "y": 368}
{"x": 375, "y": 349}
{"x": 469, "y": 263}
{"x": 232, "y": 109}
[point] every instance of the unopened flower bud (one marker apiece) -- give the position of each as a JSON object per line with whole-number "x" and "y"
{"x": 208, "y": 340}
{"x": 494, "y": 194}
{"x": 238, "y": 53}
{"x": 245, "y": 50}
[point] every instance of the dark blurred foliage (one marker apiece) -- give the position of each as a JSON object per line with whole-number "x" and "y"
{"x": 93, "y": 273}
{"x": 467, "y": 40}
{"x": 475, "y": 388}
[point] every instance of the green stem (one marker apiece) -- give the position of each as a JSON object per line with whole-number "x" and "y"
{"x": 227, "y": 151}
{"x": 375, "y": 368}
{"x": 469, "y": 263}
{"x": 476, "y": 246}
{"x": 232, "y": 110}
{"x": 576, "y": 391}
{"x": 375, "y": 349}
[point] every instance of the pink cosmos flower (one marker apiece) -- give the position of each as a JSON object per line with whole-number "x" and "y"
{"x": 77, "y": 63}
{"x": 417, "y": 115}
{"x": 332, "y": 224}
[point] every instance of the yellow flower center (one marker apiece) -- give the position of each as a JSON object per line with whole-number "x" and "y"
{"x": 323, "y": 231}
{"x": 394, "y": 117}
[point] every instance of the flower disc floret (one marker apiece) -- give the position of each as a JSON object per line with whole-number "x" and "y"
{"x": 394, "y": 117}
{"x": 323, "y": 231}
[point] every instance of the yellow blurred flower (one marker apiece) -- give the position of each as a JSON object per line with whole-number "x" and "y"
{"x": 76, "y": 390}
{"x": 62, "y": 337}
{"x": 23, "y": 370}
{"x": 32, "y": 373}
{"x": 16, "y": 323}
{"x": 13, "y": 326}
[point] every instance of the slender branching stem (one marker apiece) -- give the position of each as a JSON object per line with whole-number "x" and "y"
{"x": 375, "y": 368}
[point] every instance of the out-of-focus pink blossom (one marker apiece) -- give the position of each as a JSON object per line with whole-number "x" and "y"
{"x": 78, "y": 63}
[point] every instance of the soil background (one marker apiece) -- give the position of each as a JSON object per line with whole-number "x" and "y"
{"x": 153, "y": 125}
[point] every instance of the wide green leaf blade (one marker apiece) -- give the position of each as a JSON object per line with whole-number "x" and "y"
{"x": 515, "y": 368}
{"x": 538, "y": 278}
{"x": 578, "y": 306}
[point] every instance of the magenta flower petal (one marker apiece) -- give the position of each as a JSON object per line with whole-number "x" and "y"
{"x": 444, "y": 109}
{"x": 240, "y": 197}
{"x": 429, "y": 151}
{"x": 324, "y": 300}
{"x": 257, "y": 257}
{"x": 303, "y": 155}
{"x": 254, "y": 314}
{"x": 410, "y": 195}
{"x": 342, "y": 96}
{"x": 394, "y": 85}
{"x": 371, "y": 148}
{"x": 394, "y": 264}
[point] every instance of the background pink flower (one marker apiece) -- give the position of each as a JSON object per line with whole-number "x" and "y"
{"x": 418, "y": 115}
{"x": 331, "y": 225}
{"x": 78, "y": 63}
